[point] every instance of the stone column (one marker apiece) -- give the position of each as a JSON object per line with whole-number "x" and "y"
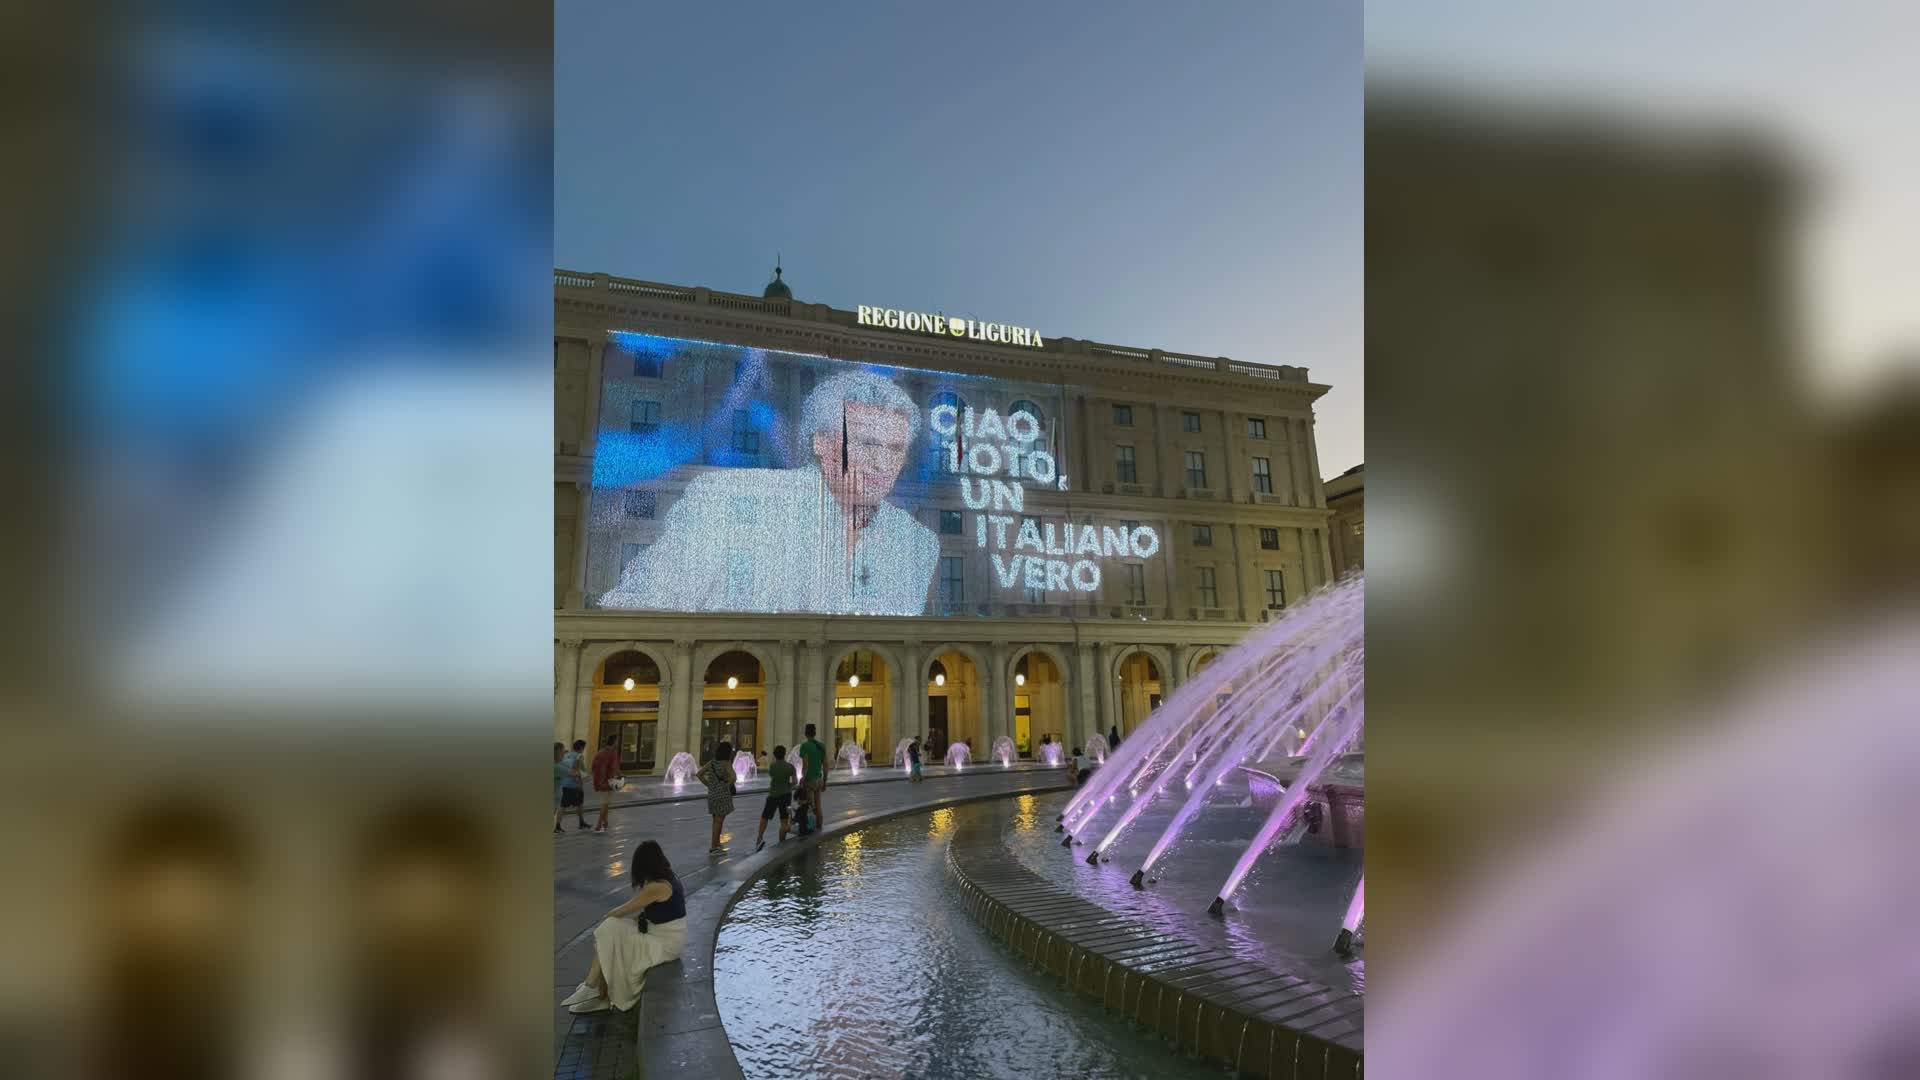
{"x": 582, "y": 525}
{"x": 1230, "y": 443}
{"x": 566, "y": 686}
{"x": 684, "y": 725}
{"x": 1106, "y": 707}
{"x": 1242, "y": 571}
{"x": 1313, "y": 466}
{"x": 1164, "y": 452}
{"x": 811, "y": 708}
{"x": 1298, "y": 437}
{"x": 785, "y": 725}
{"x": 1088, "y": 695}
{"x": 1182, "y": 656}
{"x": 596, "y": 365}
{"x": 1325, "y": 556}
{"x": 1074, "y": 443}
{"x": 996, "y": 713}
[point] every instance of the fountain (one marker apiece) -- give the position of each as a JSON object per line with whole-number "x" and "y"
{"x": 1002, "y": 751}
{"x": 1096, "y": 748}
{"x": 900, "y": 754}
{"x": 959, "y": 755}
{"x": 1281, "y": 709}
{"x": 743, "y": 766}
{"x": 1052, "y": 755}
{"x": 681, "y": 769}
{"x": 855, "y": 757}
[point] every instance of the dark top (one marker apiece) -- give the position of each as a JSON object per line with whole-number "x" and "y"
{"x": 913, "y": 753}
{"x": 673, "y": 907}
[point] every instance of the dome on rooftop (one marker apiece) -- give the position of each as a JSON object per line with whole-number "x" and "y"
{"x": 777, "y": 289}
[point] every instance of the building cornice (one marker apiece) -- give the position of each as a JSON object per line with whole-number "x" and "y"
{"x": 589, "y": 305}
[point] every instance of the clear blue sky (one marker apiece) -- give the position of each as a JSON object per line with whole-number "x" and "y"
{"x": 1180, "y": 176}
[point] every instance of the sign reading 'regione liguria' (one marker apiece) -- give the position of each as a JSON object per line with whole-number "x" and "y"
{"x": 973, "y": 329}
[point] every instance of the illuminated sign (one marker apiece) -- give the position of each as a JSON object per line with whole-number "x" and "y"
{"x": 942, "y": 326}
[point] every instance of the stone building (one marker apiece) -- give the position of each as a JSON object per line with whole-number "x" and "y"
{"x": 1214, "y": 457}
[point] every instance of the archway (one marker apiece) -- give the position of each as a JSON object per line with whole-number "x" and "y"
{"x": 1038, "y": 689}
{"x": 955, "y": 697}
{"x": 863, "y": 704}
{"x": 1140, "y": 689}
{"x": 626, "y": 708}
{"x": 733, "y": 698}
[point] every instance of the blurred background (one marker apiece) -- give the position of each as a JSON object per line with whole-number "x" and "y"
{"x": 1643, "y": 367}
{"x": 276, "y": 640}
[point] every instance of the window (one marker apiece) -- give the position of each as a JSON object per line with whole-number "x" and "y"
{"x": 950, "y": 523}
{"x": 1123, "y": 468}
{"x": 1256, "y": 427}
{"x": 1129, "y": 526}
{"x": 1123, "y": 416}
{"x": 628, "y": 553}
{"x": 1270, "y": 539}
{"x": 745, "y": 439}
{"x": 1263, "y": 476}
{"x": 1209, "y": 593}
{"x": 1136, "y": 584}
{"x": 937, "y": 444}
{"x": 1036, "y": 596}
{"x": 646, "y": 366}
{"x": 639, "y": 504}
{"x": 1190, "y": 421}
{"x": 1203, "y": 536}
{"x": 1039, "y": 418}
{"x": 1196, "y": 469}
{"x": 1359, "y": 528}
{"x": 1276, "y": 590}
{"x": 952, "y": 581}
{"x": 646, "y": 417}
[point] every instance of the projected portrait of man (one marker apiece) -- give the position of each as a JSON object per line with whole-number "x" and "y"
{"x": 818, "y": 538}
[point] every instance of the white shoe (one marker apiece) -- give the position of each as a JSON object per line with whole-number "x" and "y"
{"x": 581, "y": 993}
{"x": 598, "y": 1004}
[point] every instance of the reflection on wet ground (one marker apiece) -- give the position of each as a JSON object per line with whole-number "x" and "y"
{"x": 1285, "y": 916}
{"x": 856, "y": 960}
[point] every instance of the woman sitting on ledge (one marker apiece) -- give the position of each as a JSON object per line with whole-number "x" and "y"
{"x": 649, "y": 929}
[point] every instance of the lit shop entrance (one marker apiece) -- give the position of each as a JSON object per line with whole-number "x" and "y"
{"x": 627, "y": 705}
{"x": 730, "y": 704}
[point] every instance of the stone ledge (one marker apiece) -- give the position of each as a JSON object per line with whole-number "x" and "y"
{"x": 1207, "y": 1002}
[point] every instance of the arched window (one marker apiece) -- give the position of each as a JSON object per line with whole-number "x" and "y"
{"x": 1028, "y": 407}
{"x": 937, "y": 459}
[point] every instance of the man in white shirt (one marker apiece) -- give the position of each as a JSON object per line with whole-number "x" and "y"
{"x": 819, "y": 538}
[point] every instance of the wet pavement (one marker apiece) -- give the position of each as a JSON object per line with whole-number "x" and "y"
{"x": 857, "y": 960}
{"x": 679, "y": 1026}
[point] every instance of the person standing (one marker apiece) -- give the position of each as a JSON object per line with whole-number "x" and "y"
{"x": 559, "y": 784}
{"x": 1113, "y": 738}
{"x": 718, "y": 777}
{"x": 647, "y": 930}
{"x": 813, "y": 774}
{"x": 913, "y": 760}
{"x": 779, "y": 796}
{"x": 606, "y": 777}
{"x": 573, "y": 789}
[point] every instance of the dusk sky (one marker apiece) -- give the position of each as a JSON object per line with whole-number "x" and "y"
{"x": 1187, "y": 178}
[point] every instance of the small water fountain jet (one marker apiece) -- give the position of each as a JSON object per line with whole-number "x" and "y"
{"x": 1002, "y": 751}
{"x": 743, "y": 766}
{"x": 959, "y": 755}
{"x": 1356, "y": 914}
{"x": 1294, "y": 688}
{"x": 681, "y": 769}
{"x": 854, "y": 756}
{"x": 1097, "y": 748}
{"x": 1051, "y": 755}
{"x": 900, "y": 760}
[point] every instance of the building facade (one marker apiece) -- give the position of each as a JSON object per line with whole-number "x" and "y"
{"x": 1346, "y": 496}
{"x": 1188, "y": 484}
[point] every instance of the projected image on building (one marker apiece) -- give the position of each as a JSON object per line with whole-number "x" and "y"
{"x": 732, "y": 479}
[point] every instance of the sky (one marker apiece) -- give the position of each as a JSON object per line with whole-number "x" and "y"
{"x": 1832, "y": 84}
{"x": 1144, "y": 174}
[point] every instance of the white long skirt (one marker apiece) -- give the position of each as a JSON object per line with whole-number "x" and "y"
{"x": 625, "y": 954}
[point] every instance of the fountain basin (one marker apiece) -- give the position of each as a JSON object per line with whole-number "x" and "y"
{"x": 1340, "y": 794}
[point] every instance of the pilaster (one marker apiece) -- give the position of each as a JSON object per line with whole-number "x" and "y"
{"x": 686, "y": 703}
{"x": 582, "y": 525}
{"x": 566, "y": 686}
